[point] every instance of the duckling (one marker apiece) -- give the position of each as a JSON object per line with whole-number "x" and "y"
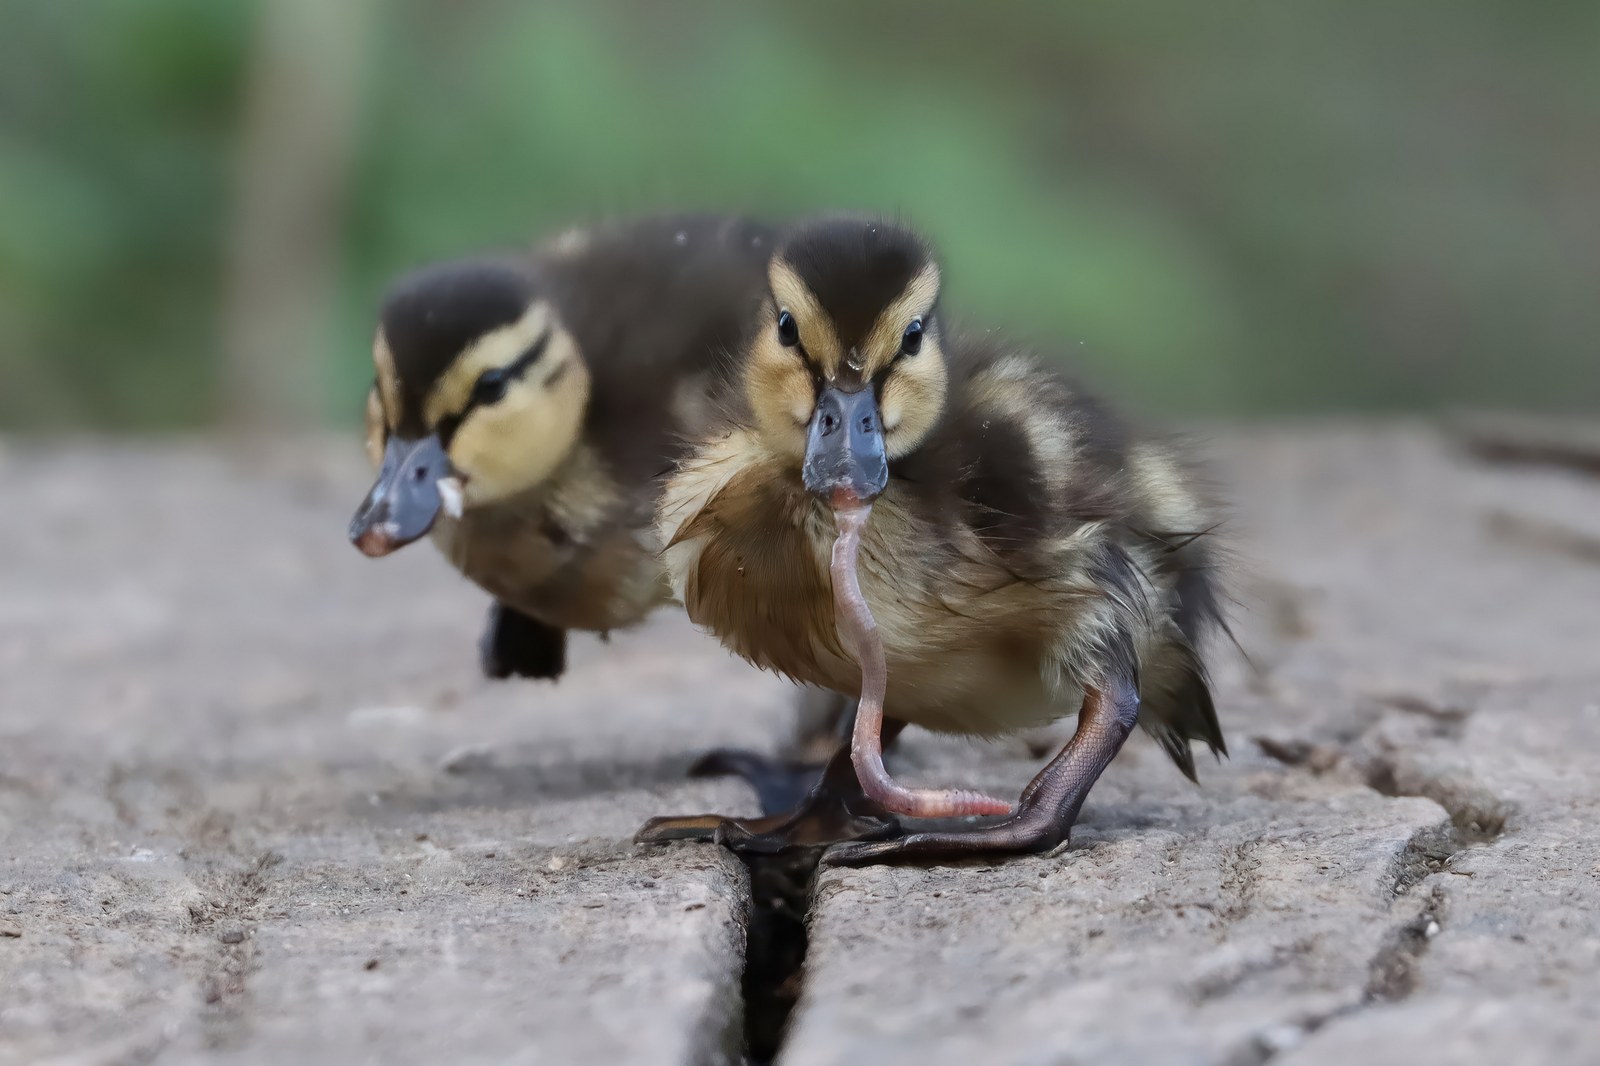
{"x": 525, "y": 406}
{"x": 948, "y": 530}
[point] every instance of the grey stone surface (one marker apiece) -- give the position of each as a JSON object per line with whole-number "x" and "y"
{"x": 228, "y": 830}
{"x": 1413, "y": 878}
{"x": 256, "y": 805}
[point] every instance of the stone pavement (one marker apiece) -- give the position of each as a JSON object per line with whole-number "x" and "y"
{"x": 257, "y": 806}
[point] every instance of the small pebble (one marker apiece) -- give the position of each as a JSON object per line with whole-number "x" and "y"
{"x": 11, "y": 929}
{"x": 371, "y": 964}
{"x": 232, "y": 936}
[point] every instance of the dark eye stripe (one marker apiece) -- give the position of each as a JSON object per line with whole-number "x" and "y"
{"x": 530, "y": 355}
{"x": 515, "y": 370}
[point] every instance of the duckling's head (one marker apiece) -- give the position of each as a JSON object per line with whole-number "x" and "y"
{"x": 479, "y": 395}
{"x": 846, "y": 371}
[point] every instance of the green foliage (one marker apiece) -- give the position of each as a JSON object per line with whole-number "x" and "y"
{"x": 115, "y": 119}
{"x": 1208, "y": 208}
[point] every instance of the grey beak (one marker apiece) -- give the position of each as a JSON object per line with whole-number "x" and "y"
{"x": 404, "y": 502}
{"x": 845, "y": 457}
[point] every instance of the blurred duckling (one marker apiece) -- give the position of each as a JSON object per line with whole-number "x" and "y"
{"x": 949, "y": 531}
{"x": 526, "y": 406}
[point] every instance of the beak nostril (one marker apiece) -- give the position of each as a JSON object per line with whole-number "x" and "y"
{"x": 844, "y": 446}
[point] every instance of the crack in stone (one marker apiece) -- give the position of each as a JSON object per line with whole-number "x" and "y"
{"x": 1540, "y": 535}
{"x": 1428, "y": 852}
{"x": 1240, "y": 878}
{"x": 225, "y": 913}
{"x": 1445, "y": 721}
{"x": 1396, "y": 969}
{"x": 776, "y": 943}
{"x": 1520, "y": 440}
{"x": 1477, "y": 816}
{"x": 781, "y": 894}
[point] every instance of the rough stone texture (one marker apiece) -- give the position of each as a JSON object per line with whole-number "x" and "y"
{"x": 1414, "y": 876}
{"x": 256, "y": 805}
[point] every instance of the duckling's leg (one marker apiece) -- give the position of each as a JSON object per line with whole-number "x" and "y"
{"x": 1049, "y": 805}
{"x": 822, "y": 722}
{"x": 835, "y": 809}
{"x": 515, "y": 645}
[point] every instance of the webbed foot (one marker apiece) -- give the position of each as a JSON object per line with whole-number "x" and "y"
{"x": 832, "y": 810}
{"x": 1048, "y": 808}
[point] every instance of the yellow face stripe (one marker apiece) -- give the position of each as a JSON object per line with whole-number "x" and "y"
{"x": 820, "y": 338}
{"x": 817, "y": 334}
{"x": 883, "y": 342}
{"x": 492, "y": 351}
{"x": 377, "y": 431}
{"x": 388, "y": 380}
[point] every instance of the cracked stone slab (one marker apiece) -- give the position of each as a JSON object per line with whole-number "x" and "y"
{"x": 1525, "y": 1030}
{"x": 1427, "y": 688}
{"x": 235, "y": 825}
{"x": 257, "y": 803}
{"x": 1488, "y": 592}
{"x": 1514, "y": 972}
{"x": 1179, "y": 927}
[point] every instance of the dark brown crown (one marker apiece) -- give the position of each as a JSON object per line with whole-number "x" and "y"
{"x": 856, "y": 267}
{"x": 432, "y": 314}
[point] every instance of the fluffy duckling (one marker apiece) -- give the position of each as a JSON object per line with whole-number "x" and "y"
{"x": 526, "y": 406}
{"x": 946, "y": 529}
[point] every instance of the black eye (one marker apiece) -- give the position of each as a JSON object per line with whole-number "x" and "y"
{"x": 490, "y": 387}
{"x": 788, "y": 331}
{"x": 911, "y": 340}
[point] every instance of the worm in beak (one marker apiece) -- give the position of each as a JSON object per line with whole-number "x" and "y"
{"x": 859, "y": 632}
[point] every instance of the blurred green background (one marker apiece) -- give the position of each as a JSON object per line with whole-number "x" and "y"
{"x": 1218, "y": 208}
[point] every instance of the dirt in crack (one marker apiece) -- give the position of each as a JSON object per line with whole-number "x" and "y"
{"x": 1395, "y": 971}
{"x": 1477, "y": 815}
{"x": 775, "y": 954}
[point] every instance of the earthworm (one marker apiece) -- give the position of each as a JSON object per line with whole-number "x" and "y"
{"x": 859, "y": 630}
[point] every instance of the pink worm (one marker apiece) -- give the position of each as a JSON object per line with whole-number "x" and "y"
{"x": 857, "y": 626}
